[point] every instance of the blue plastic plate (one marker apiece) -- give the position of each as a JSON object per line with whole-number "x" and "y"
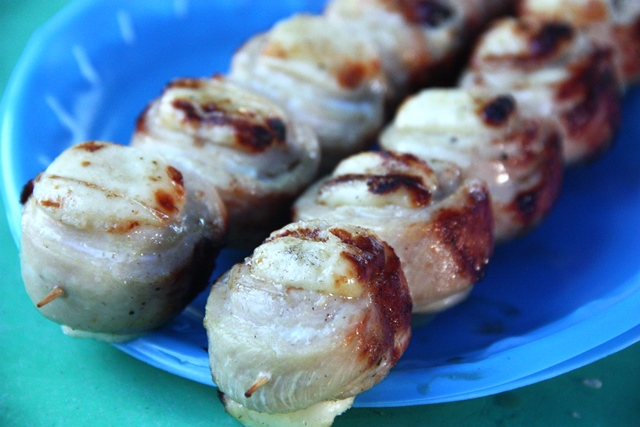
{"x": 564, "y": 296}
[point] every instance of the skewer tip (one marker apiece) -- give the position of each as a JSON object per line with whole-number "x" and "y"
{"x": 259, "y": 382}
{"x": 56, "y": 292}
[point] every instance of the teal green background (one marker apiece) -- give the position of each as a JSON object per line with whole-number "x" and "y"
{"x": 48, "y": 379}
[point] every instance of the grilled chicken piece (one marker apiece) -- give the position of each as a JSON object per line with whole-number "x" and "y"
{"x": 249, "y": 148}
{"x": 488, "y": 137}
{"x": 324, "y": 74}
{"x": 553, "y": 71}
{"x": 439, "y": 224}
{"x": 115, "y": 242}
{"x": 614, "y": 23}
{"x": 318, "y": 314}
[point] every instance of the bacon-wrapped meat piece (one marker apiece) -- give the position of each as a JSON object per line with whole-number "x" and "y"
{"x": 612, "y": 23}
{"x": 553, "y": 71}
{"x": 439, "y": 224}
{"x": 324, "y": 74}
{"x": 245, "y": 145}
{"x": 318, "y": 314}
{"x": 488, "y": 137}
{"x": 420, "y": 41}
{"x": 115, "y": 242}
{"x": 415, "y": 39}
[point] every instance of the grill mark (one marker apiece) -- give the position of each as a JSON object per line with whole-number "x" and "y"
{"x": 386, "y": 184}
{"x": 353, "y": 74}
{"x": 90, "y": 146}
{"x": 497, "y": 111}
{"x": 549, "y": 38}
{"x": 176, "y": 176}
{"x": 48, "y": 203}
{"x": 166, "y": 202}
{"x": 250, "y": 136}
{"x": 159, "y": 214}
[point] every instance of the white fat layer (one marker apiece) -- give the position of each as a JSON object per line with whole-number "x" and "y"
{"x": 357, "y": 193}
{"x": 503, "y": 39}
{"x": 457, "y": 112}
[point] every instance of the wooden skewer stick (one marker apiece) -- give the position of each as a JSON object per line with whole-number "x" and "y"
{"x": 56, "y": 292}
{"x": 259, "y": 382}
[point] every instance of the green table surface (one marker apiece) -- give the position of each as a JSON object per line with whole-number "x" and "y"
{"x": 48, "y": 379}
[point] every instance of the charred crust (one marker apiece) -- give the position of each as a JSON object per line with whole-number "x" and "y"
{"x": 27, "y": 191}
{"x": 530, "y": 206}
{"x": 385, "y": 184}
{"x": 420, "y": 196}
{"x": 278, "y": 129}
{"x": 430, "y": 13}
{"x": 380, "y": 267}
{"x": 467, "y": 232}
{"x": 250, "y": 136}
{"x": 527, "y": 202}
{"x": 595, "y": 85}
{"x": 258, "y": 138}
{"x": 369, "y": 257}
{"x": 497, "y": 111}
{"x": 549, "y": 39}
{"x": 190, "y": 112}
